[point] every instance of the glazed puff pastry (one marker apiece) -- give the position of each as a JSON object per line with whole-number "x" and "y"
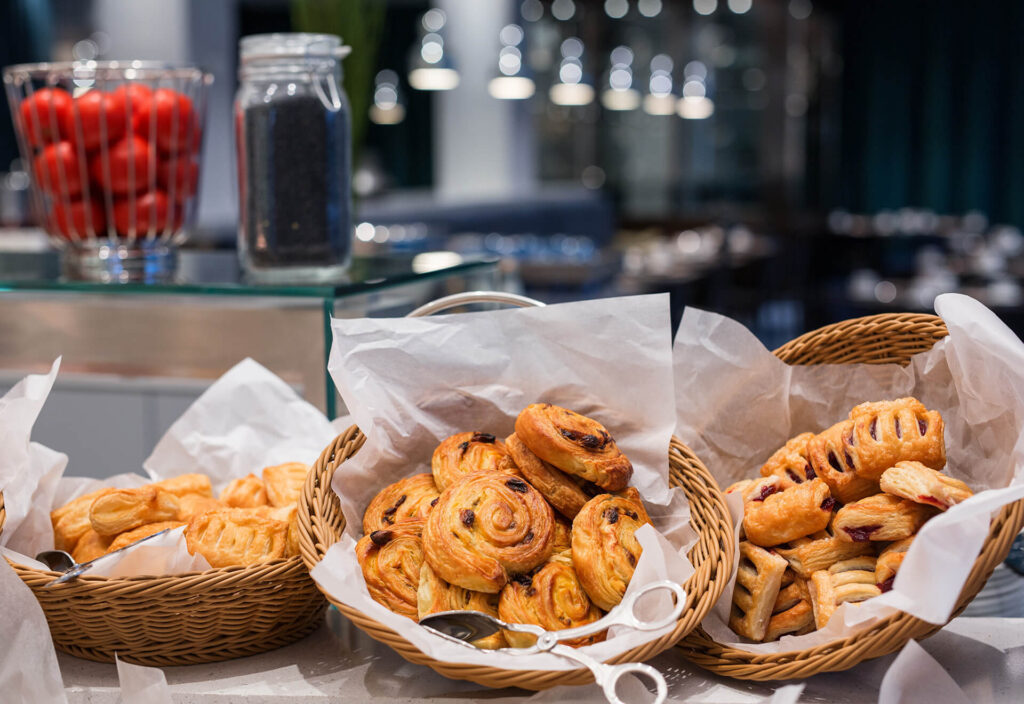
{"x": 128, "y": 537}
{"x": 235, "y": 537}
{"x": 886, "y": 432}
{"x": 245, "y": 492}
{"x": 463, "y": 454}
{"x": 486, "y": 528}
{"x": 191, "y": 505}
{"x": 554, "y": 485}
{"x": 880, "y": 518}
{"x": 71, "y": 521}
{"x": 412, "y": 497}
{"x": 434, "y": 595}
{"x": 575, "y": 444}
{"x": 791, "y": 461}
{"x": 90, "y": 546}
{"x": 820, "y": 551}
{"x": 889, "y": 562}
{"x": 923, "y": 485}
{"x": 391, "y": 560}
{"x": 283, "y": 483}
{"x": 185, "y": 484}
{"x": 849, "y": 581}
{"x": 792, "y": 612}
{"x": 833, "y": 458}
{"x": 123, "y": 509}
{"x": 604, "y": 548}
{"x": 782, "y": 516}
{"x": 552, "y": 598}
{"x": 758, "y": 580}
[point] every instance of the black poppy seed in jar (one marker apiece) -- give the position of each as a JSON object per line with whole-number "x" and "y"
{"x": 517, "y": 485}
{"x": 612, "y": 515}
{"x": 467, "y": 517}
{"x": 381, "y": 537}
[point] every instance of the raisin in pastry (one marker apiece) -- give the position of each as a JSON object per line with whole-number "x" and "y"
{"x": 412, "y": 497}
{"x": 463, "y": 454}
{"x": 604, "y": 548}
{"x": 391, "y": 562}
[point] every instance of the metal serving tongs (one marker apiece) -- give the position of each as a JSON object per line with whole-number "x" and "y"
{"x": 467, "y": 626}
{"x": 60, "y": 561}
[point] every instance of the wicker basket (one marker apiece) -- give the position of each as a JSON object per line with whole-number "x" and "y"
{"x": 182, "y": 619}
{"x": 321, "y": 525}
{"x": 876, "y": 339}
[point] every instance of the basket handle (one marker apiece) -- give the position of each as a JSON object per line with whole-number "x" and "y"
{"x": 458, "y": 299}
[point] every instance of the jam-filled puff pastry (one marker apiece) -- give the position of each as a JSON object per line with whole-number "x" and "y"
{"x": 412, "y": 497}
{"x": 923, "y": 485}
{"x": 463, "y": 454}
{"x": 791, "y": 461}
{"x": 124, "y": 509}
{"x": 792, "y": 612}
{"x": 245, "y": 492}
{"x": 776, "y": 517}
{"x": 236, "y": 537}
{"x": 849, "y": 581}
{"x": 391, "y": 560}
{"x": 554, "y": 485}
{"x": 284, "y": 482}
{"x": 880, "y": 518}
{"x": 887, "y": 432}
{"x": 575, "y": 444}
{"x": 819, "y": 551}
{"x": 833, "y": 458}
{"x": 758, "y": 581}
{"x": 889, "y": 562}
{"x": 434, "y": 595}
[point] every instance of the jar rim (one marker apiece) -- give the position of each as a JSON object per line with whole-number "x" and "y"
{"x": 285, "y": 45}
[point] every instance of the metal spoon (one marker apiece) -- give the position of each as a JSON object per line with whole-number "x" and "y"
{"x": 467, "y": 626}
{"x": 60, "y": 561}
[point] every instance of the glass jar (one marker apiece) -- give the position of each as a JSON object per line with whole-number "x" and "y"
{"x": 293, "y": 138}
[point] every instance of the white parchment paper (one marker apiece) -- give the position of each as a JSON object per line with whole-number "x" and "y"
{"x": 737, "y": 403}
{"x": 411, "y": 382}
{"x": 915, "y": 677}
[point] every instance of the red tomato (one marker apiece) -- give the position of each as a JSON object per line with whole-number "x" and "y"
{"x": 174, "y": 127}
{"x": 146, "y": 211}
{"x": 130, "y": 98}
{"x": 43, "y": 115}
{"x": 126, "y": 169}
{"x": 98, "y": 117}
{"x": 185, "y": 176}
{"x": 58, "y": 169}
{"x": 73, "y": 220}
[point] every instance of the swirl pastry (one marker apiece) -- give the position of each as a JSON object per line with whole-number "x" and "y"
{"x": 434, "y": 595}
{"x": 790, "y": 461}
{"x": 923, "y": 485}
{"x": 246, "y": 492}
{"x": 185, "y": 484}
{"x": 235, "y": 537}
{"x": 552, "y": 598}
{"x": 124, "y": 509}
{"x": 130, "y": 536}
{"x": 574, "y": 444}
{"x": 284, "y": 482}
{"x": 463, "y": 454}
{"x": 889, "y": 562}
{"x": 555, "y": 486}
{"x": 486, "y": 528}
{"x": 412, "y": 497}
{"x": 773, "y": 517}
{"x": 90, "y": 546}
{"x": 758, "y": 580}
{"x": 191, "y": 505}
{"x": 604, "y": 548}
{"x": 886, "y": 432}
{"x": 849, "y": 581}
{"x": 880, "y": 518}
{"x": 833, "y": 458}
{"x": 792, "y": 611}
{"x": 391, "y": 561}
{"x": 819, "y": 551}
{"x": 71, "y": 521}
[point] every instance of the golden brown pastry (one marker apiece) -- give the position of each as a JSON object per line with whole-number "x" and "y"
{"x": 792, "y": 612}
{"x": 412, "y": 497}
{"x": 739, "y": 487}
{"x": 434, "y": 595}
{"x": 71, "y": 521}
{"x": 880, "y": 518}
{"x": 849, "y": 581}
{"x": 90, "y": 546}
{"x": 123, "y": 509}
{"x": 776, "y": 517}
{"x": 889, "y": 562}
{"x": 235, "y": 537}
{"x": 284, "y": 482}
{"x": 923, "y": 485}
{"x": 562, "y": 539}
{"x": 552, "y": 598}
{"x": 887, "y": 432}
{"x": 288, "y": 515}
{"x": 185, "y": 484}
{"x": 604, "y": 548}
{"x": 191, "y": 505}
{"x": 758, "y": 580}
{"x": 463, "y": 454}
{"x": 790, "y": 461}
{"x": 819, "y": 551}
{"x": 833, "y": 458}
{"x": 246, "y": 492}
{"x": 486, "y": 528}
{"x": 391, "y": 560}
{"x": 554, "y": 485}
{"x": 574, "y": 444}
{"x": 128, "y": 537}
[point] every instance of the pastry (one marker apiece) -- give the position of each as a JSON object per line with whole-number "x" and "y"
{"x": 562, "y": 539}
{"x": 832, "y": 455}
{"x": 889, "y": 562}
{"x": 887, "y": 432}
{"x": 486, "y": 528}
{"x": 550, "y": 597}
{"x": 284, "y": 482}
{"x": 123, "y": 509}
{"x": 554, "y": 485}
{"x": 574, "y": 444}
{"x": 246, "y": 492}
{"x": 819, "y": 551}
{"x": 921, "y": 484}
{"x": 791, "y": 461}
{"x": 604, "y": 548}
{"x": 128, "y": 537}
{"x": 739, "y": 487}
{"x": 71, "y": 521}
{"x": 463, "y": 454}
{"x": 792, "y": 612}
{"x": 235, "y": 537}
{"x": 758, "y": 579}
{"x": 775, "y": 517}
{"x": 191, "y": 505}
{"x": 434, "y": 595}
{"x": 185, "y": 484}
{"x": 880, "y": 518}
{"x": 90, "y": 546}
{"x": 391, "y": 561}
{"x": 849, "y": 581}
{"x": 412, "y": 497}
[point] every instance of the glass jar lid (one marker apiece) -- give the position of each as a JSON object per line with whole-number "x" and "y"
{"x": 297, "y": 45}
